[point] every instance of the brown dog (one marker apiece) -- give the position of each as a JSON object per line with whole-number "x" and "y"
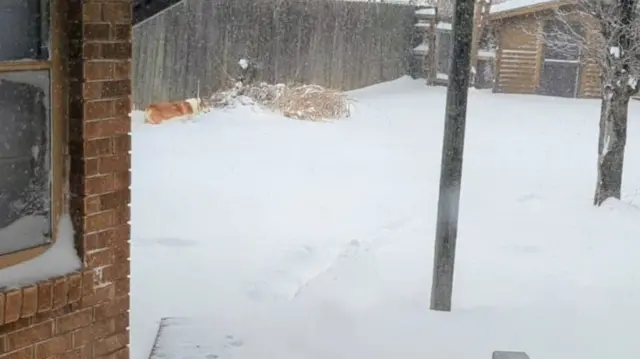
{"x": 159, "y": 112}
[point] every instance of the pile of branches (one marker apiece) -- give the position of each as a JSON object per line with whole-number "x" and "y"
{"x": 303, "y": 102}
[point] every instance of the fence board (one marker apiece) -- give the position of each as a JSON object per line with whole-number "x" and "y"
{"x": 344, "y": 45}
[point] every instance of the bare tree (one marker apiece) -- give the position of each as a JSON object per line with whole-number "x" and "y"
{"x": 609, "y": 36}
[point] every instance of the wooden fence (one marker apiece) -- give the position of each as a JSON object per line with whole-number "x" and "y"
{"x": 337, "y": 44}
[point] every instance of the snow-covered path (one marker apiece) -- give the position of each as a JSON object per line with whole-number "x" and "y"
{"x": 325, "y": 230}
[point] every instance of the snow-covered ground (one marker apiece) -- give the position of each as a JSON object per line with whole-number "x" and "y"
{"x": 315, "y": 240}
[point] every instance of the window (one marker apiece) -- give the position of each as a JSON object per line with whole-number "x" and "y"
{"x": 563, "y": 38}
{"x": 30, "y": 130}
{"x": 445, "y": 46}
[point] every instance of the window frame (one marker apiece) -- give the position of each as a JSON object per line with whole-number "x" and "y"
{"x": 550, "y": 54}
{"x": 56, "y": 65}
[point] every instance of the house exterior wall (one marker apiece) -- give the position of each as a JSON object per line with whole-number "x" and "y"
{"x": 85, "y": 314}
{"x": 520, "y": 56}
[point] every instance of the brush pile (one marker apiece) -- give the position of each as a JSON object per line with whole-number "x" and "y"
{"x": 303, "y": 102}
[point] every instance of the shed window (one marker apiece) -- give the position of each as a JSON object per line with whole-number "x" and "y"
{"x": 562, "y": 39}
{"x": 30, "y": 82}
{"x": 445, "y": 46}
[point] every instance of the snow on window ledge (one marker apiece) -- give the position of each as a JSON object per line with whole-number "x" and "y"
{"x": 26, "y": 232}
{"x": 60, "y": 259}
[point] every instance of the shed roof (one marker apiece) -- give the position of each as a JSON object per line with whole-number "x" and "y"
{"x": 512, "y": 8}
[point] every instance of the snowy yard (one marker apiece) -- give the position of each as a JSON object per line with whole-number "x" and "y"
{"x": 315, "y": 240}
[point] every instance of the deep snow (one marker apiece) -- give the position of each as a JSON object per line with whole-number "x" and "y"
{"x": 315, "y": 240}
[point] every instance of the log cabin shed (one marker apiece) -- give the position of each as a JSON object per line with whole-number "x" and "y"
{"x": 524, "y": 65}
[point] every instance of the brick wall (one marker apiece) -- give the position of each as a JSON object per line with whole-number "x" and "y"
{"x": 86, "y": 314}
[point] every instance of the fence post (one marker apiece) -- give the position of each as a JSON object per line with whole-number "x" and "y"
{"x": 452, "y": 151}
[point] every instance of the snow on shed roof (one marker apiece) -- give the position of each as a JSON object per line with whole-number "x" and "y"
{"x": 517, "y": 4}
{"x": 426, "y": 11}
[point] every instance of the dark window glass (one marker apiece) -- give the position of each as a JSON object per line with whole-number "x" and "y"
{"x": 25, "y": 163}
{"x": 24, "y": 30}
{"x": 445, "y": 45}
{"x": 562, "y": 40}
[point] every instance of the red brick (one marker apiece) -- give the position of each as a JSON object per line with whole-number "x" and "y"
{"x": 100, "y": 240}
{"x": 74, "y": 321}
{"x": 45, "y": 296}
{"x": 116, "y": 88}
{"x": 75, "y": 287}
{"x": 103, "y": 329}
{"x": 88, "y": 280}
{"x": 101, "y": 258}
{"x": 17, "y": 325}
{"x": 123, "y": 216}
{"x": 95, "y": 331}
{"x": 121, "y": 322}
{"x": 117, "y": 12}
{"x": 83, "y": 352}
{"x": 30, "y": 335}
{"x": 122, "y": 179}
{"x": 123, "y": 234}
{"x": 26, "y": 353}
{"x": 99, "y": 221}
{"x": 97, "y": 240}
{"x": 120, "y": 354}
{"x": 115, "y": 200}
{"x": 98, "y": 147}
{"x": 122, "y": 33}
{"x": 91, "y": 90}
{"x": 97, "y": 185}
{"x": 111, "y": 309}
{"x": 116, "y": 163}
{"x": 122, "y": 144}
{"x": 98, "y": 70}
{"x": 29, "y": 301}
{"x": 1, "y": 309}
{"x": 12, "y": 306}
{"x": 60, "y": 291}
{"x": 106, "y": 127}
{"x": 123, "y": 109}
{"x": 110, "y": 344}
{"x": 91, "y": 205}
{"x": 91, "y": 167}
{"x": 54, "y": 346}
{"x": 96, "y": 110}
{"x": 123, "y": 286}
{"x": 99, "y": 295}
{"x": 92, "y": 51}
{"x": 42, "y": 317}
{"x": 92, "y": 12}
{"x": 115, "y": 272}
{"x": 122, "y": 69}
{"x": 120, "y": 125}
{"x": 97, "y": 32}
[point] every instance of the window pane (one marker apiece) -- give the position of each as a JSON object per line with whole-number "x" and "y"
{"x": 25, "y": 163}
{"x": 445, "y": 45}
{"x": 24, "y": 30}
{"x": 563, "y": 41}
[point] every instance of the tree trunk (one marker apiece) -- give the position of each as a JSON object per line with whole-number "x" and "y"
{"x": 611, "y": 143}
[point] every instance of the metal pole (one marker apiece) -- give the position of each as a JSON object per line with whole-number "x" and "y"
{"x": 452, "y": 150}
